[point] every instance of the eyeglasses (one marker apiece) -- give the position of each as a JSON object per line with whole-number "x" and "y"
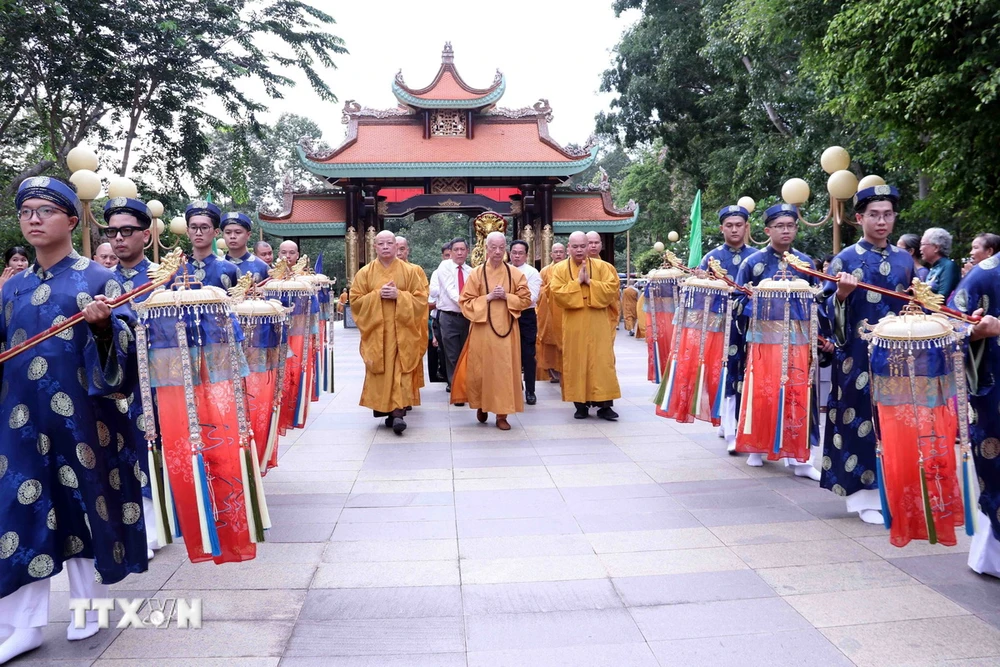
{"x": 200, "y": 230}
{"x": 112, "y": 232}
{"x": 785, "y": 228}
{"x": 44, "y": 213}
{"x": 888, "y": 216}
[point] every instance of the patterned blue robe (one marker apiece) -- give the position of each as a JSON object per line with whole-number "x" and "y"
{"x": 849, "y": 441}
{"x": 68, "y": 483}
{"x": 134, "y": 422}
{"x": 981, "y": 289}
{"x": 759, "y": 266}
{"x": 251, "y": 264}
{"x": 213, "y": 271}
{"x": 731, "y": 260}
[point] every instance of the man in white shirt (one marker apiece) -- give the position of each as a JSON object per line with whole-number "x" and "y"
{"x": 446, "y": 287}
{"x": 435, "y": 351}
{"x": 528, "y": 322}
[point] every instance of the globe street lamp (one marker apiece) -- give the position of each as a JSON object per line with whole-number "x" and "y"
{"x": 842, "y": 185}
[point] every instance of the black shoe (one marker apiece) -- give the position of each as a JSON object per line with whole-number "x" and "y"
{"x": 631, "y": 333}
{"x": 460, "y": 405}
{"x": 398, "y": 425}
{"x": 607, "y": 413}
{"x": 447, "y": 388}
{"x": 408, "y": 408}
{"x": 581, "y": 413}
{"x": 530, "y": 399}
{"x": 388, "y": 421}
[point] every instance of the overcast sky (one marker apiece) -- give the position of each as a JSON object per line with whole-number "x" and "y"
{"x": 556, "y": 49}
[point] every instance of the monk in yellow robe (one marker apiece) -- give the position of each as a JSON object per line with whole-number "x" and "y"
{"x": 548, "y": 345}
{"x": 403, "y": 254}
{"x": 630, "y": 299}
{"x": 389, "y": 302}
{"x": 488, "y": 374}
{"x": 586, "y": 290}
{"x": 594, "y": 247}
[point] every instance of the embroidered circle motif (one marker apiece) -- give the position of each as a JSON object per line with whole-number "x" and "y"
{"x": 18, "y": 416}
{"x": 40, "y": 566}
{"x": 8, "y": 544}
{"x": 37, "y": 368}
{"x": 41, "y": 294}
{"x": 67, "y": 477}
{"x": 62, "y": 404}
{"x": 29, "y": 491}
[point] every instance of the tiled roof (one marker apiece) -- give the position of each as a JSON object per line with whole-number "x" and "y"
{"x": 584, "y": 207}
{"x": 591, "y": 211}
{"x": 448, "y": 89}
{"x": 306, "y": 209}
{"x": 491, "y": 142}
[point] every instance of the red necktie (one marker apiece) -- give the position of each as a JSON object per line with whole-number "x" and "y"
{"x": 461, "y": 281}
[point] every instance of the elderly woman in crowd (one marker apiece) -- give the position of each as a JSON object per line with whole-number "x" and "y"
{"x": 944, "y": 274}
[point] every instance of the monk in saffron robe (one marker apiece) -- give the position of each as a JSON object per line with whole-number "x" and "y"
{"x": 488, "y": 374}
{"x": 586, "y": 290}
{"x": 548, "y": 346}
{"x": 594, "y": 247}
{"x": 630, "y": 300}
{"x": 403, "y": 254}
{"x": 389, "y": 303}
{"x": 641, "y": 314}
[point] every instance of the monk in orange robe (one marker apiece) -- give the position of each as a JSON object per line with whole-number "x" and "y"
{"x": 389, "y": 303}
{"x": 548, "y": 346}
{"x": 488, "y": 374}
{"x": 403, "y": 254}
{"x": 586, "y": 289}
{"x": 594, "y": 247}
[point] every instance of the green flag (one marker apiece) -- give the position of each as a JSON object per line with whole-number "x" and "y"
{"x": 694, "y": 247}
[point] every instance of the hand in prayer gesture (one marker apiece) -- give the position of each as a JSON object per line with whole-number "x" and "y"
{"x": 584, "y": 277}
{"x": 389, "y": 290}
{"x": 497, "y": 293}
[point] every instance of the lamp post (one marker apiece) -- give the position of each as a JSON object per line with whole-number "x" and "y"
{"x": 82, "y": 162}
{"x": 157, "y": 227}
{"x": 842, "y": 185}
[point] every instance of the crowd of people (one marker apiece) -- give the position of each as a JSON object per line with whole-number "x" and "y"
{"x": 759, "y": 386}
{"x": 75, "y": 486}
{"x": 488, "y": 332}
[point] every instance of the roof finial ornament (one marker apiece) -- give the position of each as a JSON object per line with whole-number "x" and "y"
{"x": 447, "y": 55}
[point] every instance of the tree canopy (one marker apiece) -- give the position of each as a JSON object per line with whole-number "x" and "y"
{"x": 734, "y": 97}
{"x": 147, "y": 79}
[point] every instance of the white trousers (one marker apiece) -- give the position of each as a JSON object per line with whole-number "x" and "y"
{"x": 28, "y": 606}
{"x": 730, "y": 420}
{"x": 149, "y": 519}
{"x": 866, "y": 499}
{"x": 984, "y": 552}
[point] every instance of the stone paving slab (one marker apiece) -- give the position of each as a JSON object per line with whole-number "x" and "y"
{"x": 559, "y": 542}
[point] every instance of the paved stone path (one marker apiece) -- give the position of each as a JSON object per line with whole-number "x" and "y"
{"x": 559, "y": 542}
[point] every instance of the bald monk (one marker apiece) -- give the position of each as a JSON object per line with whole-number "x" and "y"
{"x": 403, "y": 254}
{"x": 289, "y": 250}
{"x": 488, "y": 374}
{"x": 586, "y": 289}
{"x": 389, "y": 301}
{"x": 548, "y": 345}
{"x": 594, "y": 247}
